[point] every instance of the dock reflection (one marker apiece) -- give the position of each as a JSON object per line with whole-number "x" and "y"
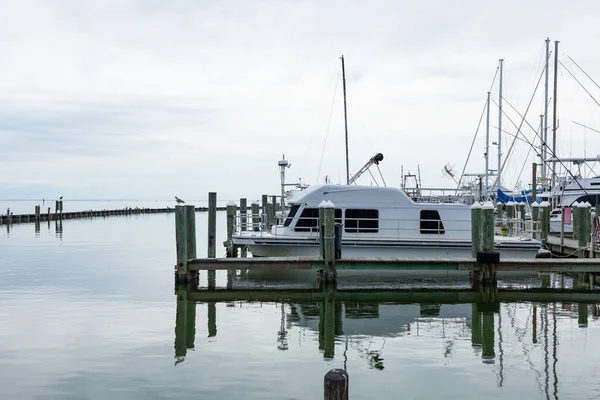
{"x": 450, "y": 314}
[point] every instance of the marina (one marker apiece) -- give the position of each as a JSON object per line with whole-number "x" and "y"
{"x": 437, "y": 237}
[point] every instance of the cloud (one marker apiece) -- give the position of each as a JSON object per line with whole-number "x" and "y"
{"x": 139, "y": 97}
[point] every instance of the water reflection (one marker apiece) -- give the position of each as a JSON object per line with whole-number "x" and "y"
{"x": 343, "y": 318}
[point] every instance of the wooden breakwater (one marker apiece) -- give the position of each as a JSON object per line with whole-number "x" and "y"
{"x": 57, "y": 213}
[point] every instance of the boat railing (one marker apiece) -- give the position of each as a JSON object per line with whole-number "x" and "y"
{"x": 387, "y": 228}
{"x": 380, "y": 228}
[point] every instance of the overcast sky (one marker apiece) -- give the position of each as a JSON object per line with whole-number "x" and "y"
{"x": 150, "y": 99}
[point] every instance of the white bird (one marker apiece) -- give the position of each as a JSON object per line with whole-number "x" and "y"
{"x": 178, "y": 200}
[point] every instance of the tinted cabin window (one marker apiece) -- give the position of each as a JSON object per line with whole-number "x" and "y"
{"x": 309, "y": 219}
{"x": 431, "y": 222}
{"x": 362, "y": 221}
{"x": 592, "y": 199}
{"x": 291, "y": 215}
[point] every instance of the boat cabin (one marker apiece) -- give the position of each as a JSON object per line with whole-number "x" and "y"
{"x": 374, "y": 212}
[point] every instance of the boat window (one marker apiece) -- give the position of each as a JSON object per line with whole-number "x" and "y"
{"x": 362, "y": 221}
{"x": 291, "y": 215}
{"x": 595, "y": 183}
{"x": 431, "y": 223}
{"x": 309, "y": 219}
{"x": 593, "y": 199}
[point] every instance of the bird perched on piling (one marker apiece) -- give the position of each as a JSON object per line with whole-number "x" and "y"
{"x": 178, "y": 200}
{"x": 60, "y": 198}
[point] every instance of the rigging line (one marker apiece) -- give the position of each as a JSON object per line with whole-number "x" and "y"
{"x": 328, "y": 124}
{"x": 589, "y": 77}
{"x": 476, "y": 131}
{"x": 513, "y": 135}
{"x": 585, "y": 126}
{"x": 553, "y": 154}
{"x": 496, "y": 183}
{"x": 580, "y": 84}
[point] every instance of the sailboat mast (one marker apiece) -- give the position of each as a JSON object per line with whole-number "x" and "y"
{"x": 554, "y": 125}
{"x": 545, "y": 130}
{"x": 500, "y": 124}
{"x": 345, "y": 121}
{"x": 487, "y": 148}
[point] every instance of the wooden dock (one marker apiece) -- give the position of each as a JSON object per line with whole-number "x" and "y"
{"x": 395, "y": 263}
{"x": 570, "y": 247}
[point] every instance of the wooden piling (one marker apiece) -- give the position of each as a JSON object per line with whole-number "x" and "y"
{"x": 231, "y": 211}
{"x": 584, "y": 229}
{"x": 37, "y": 212}
{"x": 264, "y": 211}
{"x": 270, "y": 216}
{"x": 243, "y": 212}
{"x": 274, "y": 202}
{"x": 181, "y": 243}
{"x": 212, "y": 228}
{"x": 575, "y": 219}
{"x": 545, "y": 219}
{"x": 535, "y": 220}
{"x": 487, "y": 256}
{"x": 475, "y": 229}
{"x": 327, "y": 225}
{"x": 243, "y": 223}
{"x": 336, "y": 385}
{"x": 254, "y": 210}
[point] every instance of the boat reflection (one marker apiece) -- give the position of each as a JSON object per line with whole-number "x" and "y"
{"x": 340, "y": 316}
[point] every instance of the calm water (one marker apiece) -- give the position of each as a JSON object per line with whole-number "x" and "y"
{"x": 88, "y": 310}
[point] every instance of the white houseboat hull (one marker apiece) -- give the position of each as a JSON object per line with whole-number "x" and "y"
{"x": 292, "y": 247}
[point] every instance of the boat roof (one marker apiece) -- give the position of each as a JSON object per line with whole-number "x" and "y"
{"x": 351, "y": 196}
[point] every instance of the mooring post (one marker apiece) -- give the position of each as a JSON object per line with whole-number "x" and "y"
{"x": 270, "y": 216}
{"x": 475, "y": 228}
{"x": 37, "y": 213}
{"x": 49, "y": 214}
{"x": 487, "y": 256}
{"x": 212, "y": 241}
{"x": 535, "y": 220}
{"x": 60, "y": 203}
{"x": 574, "y": 218}
{"x": 264, "y": 211}
{"x": 231, "y": 211}
{"x": 545, "y": 219}
{"x": 585, "y": 227}
{"x": 327, "y": 233}
{"x": 190, "y": 238}
{"x": 274, "y": 202}
{"x": 181, "y": 243}
{"x": 336, "y": 385}
{"x": 475, "y": 240}
{"x": 254, "y": 211}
